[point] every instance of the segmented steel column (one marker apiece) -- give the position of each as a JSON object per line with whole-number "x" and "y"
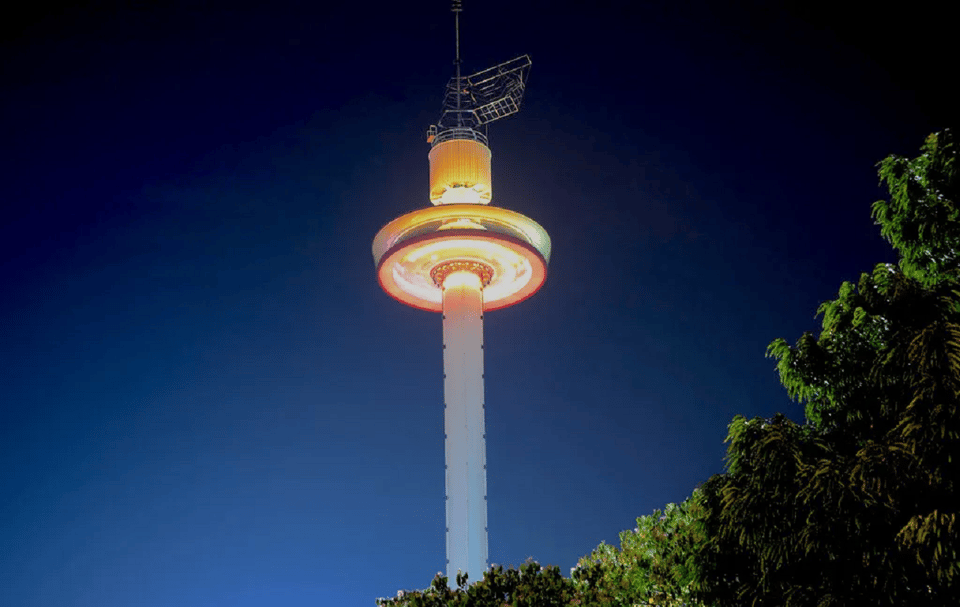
{"x": 465, "y": 442}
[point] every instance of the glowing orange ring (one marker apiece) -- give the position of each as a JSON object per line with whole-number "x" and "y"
{"x": 385, "y": 269}
{"x": 432, "y": 219}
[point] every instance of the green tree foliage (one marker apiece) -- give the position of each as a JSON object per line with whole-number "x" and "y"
{"x": 858, "y": 506}
{"x": 921, "y": 219}
{"x": 654, "y": 564}
{"x": 528, "y": 586}
{"x": 653, "y": 568}
{"x": 531, "y": 585}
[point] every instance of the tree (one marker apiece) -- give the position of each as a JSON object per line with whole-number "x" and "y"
{"x": 857, "y": 506}
{"x": 922, "y": 219}
{"x": 654, "y": 564}
{"x": 530, "y": 585}
{"x": 652, "y": 568}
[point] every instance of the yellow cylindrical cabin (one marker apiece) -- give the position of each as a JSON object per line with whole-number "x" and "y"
{"x": 460, "y": 172}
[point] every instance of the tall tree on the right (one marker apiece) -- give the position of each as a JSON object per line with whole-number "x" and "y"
{"x": 859, "y": 505}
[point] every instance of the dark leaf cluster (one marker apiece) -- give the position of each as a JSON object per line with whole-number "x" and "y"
{"x": 857, "y": 506}
{"x": 530, "y": 585}
{"x": 922, "y": 220}
{"x": 655, "y": 562}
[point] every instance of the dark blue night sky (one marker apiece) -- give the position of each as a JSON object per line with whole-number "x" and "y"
{"x": 206, "y": 399}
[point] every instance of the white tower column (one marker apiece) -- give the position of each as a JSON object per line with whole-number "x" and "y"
{"x": 465, "y": 443}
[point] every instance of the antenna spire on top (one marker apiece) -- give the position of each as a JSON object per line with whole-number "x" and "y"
{"x": 457, "y": 7}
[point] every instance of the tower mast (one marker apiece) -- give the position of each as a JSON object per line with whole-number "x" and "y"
{"x": 463, "y": 258}
{"x": 457, "y": 9}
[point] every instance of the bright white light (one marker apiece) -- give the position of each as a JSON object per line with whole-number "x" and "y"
{"x": 460, "y": 195}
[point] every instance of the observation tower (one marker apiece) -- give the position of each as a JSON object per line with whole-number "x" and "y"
{"x": 463, "y": 257}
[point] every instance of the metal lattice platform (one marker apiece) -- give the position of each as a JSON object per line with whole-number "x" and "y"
{"x": 480, "y": 99}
